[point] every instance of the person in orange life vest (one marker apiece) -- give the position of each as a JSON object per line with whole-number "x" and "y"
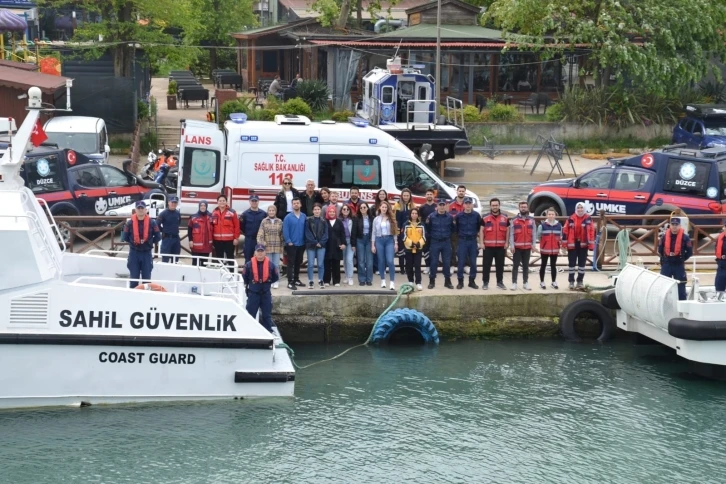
{"x": 675, "y": 248}
{"x": 142, "y": 233}
{"x": 495, "y": 238}
{"x": 200, "y": 232}
{"x": 721, "y": 263}
{"x": 522, "y": 241}
{"x": 259, "y": 275}
{"x": 579, "y": 235}
{"x": 455, "y": 207}
{"x": 226, "y": 230}
{"x": 549, "y": 234}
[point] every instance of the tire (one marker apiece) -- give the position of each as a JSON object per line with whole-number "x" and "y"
{"x": 540, "y": 209}
{"x": 404, "y": 318}
{"x": 609, "y": 300}
{"x": 572, "y": 311}
{"x": 453, "y": 172}
{"x": 64, "y": 228}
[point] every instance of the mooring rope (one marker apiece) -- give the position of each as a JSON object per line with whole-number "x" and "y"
{"x": 406, "y": 288}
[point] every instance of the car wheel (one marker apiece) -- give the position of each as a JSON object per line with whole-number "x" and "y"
{"x": 65, "y": 232}
{"x": 540, "y": 209}
{"x": 453, "y": 172}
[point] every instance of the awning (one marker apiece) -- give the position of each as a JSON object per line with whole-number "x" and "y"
{"x": 22, "y": 79}
{"x": 367, "y": 43}
{"x": 10, "y": 22}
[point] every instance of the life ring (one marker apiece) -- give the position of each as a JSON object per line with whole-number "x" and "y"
{"x": 600, "y": 312}
{"x": 404, "y": 318}
{"x": 151, "y": 286}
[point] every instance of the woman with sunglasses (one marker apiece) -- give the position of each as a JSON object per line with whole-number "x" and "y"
{"x": 347, "y": 220}
{"x": 361, "y": 240}
{"x": 283, "y": 200}
{"x": 385, "y": 243}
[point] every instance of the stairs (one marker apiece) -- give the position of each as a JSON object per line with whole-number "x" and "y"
{"x": 169, "y": 134}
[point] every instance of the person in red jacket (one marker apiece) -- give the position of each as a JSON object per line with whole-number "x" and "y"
{"x": 522, "y": 242}
{"x": 225, "y": 225}
{"x": 579, "y": 235}
{"x": 494, "y": 234}
{"x": 200, "y": 234}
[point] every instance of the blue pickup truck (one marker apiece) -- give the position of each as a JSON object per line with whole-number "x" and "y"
{"x": 704, "y": 126}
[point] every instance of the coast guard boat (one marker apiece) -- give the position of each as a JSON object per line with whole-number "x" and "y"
{"x": 401, "y": 101}
{"x": 71, "y": 332}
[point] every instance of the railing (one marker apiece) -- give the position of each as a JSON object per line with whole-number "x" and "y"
{"x": 212, "y": 262}
{"x": 432, "y": 108}
{"x": 455, "y": 107}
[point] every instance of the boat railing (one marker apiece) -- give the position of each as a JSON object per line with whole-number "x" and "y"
{"x": 431, "y": 108}
{"x": 694, "y": 270}
{"x": 229, "y": 265}
{"x": 455, "y": 112}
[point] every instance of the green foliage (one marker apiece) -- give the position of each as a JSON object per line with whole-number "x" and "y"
{"x": 471, "y": 114}
{"x": 273, "y": 103}
{"x": 713, "y": 91}
{"x": 342, "y": 116}
{"x": 149, "y": 142}
{"x": 655, "y": 43}
{"x": 142, "y": 110}
{"x": 504, "y": 114}
{"x": 262, "y": 115}
{"x": 233, "y": 107}
{"x": 315, "y": 93}
{"x": 339, "y": 12}
{"x": 555, "y": 113}
{"x": 172, "y": 89}
{"x": 296, "y": 106}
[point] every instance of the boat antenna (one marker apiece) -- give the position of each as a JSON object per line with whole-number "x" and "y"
{"x": 398, "y": 47}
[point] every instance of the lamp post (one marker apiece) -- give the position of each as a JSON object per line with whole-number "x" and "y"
{"x": 437, "y": 86}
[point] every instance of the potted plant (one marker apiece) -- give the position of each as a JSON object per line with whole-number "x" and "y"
{"x": 171, "y": 96}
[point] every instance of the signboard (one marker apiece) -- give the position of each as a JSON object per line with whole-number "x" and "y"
{"x": 270, "y": 169}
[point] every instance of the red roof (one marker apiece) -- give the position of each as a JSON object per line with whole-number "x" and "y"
{"x": 364, "y": 43}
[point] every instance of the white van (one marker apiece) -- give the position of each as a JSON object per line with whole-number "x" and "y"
{"x": 257, "y": 155}
{"x": 83, "y": 134}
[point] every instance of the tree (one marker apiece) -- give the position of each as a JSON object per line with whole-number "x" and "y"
{"x": 125, "y": 23}
{"x": 336, "y": 13}
{"x": 658, "y": 44}
{"x": 217, "y": 19}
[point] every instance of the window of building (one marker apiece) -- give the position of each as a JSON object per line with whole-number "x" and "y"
{"x": 200, "y": 168}
{"x": 551, "y": 78}
{"x": 343, "y": 171}
{"x": 517, "y": 72}
{"x": 482, "y": 71}
{"x": 269, "y": 61}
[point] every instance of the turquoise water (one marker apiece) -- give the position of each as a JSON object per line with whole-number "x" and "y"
{"x": 530, "y": 411}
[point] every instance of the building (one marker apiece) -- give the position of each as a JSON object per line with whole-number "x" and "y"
{"x": 15, "y": 80}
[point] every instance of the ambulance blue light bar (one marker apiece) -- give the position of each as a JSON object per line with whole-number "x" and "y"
{"x": 360, "y": 122}
{"x": 238, "y": 118}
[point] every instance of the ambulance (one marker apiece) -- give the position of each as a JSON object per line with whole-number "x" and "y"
{"x": 257, "y": 156}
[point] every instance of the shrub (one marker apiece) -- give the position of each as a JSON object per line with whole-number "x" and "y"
{"x": 274, "y": 103}
{"x": 233, "y": 107}
{"x": 262, "y": 115}
{"x": 484, "y": 116}
{"x": 172, "y": 89}
{"x": 471, "y": 114}
{"x": 142, "y": 110}
{"x": 555, "y": 113}
{"x": 296, "y": 106}
{"x": 342, "y": 116}
{"x": 505, "y": 114}
{"x": 315, "y": 93}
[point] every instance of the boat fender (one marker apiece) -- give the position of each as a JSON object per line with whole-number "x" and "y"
{"x": 150, "y": 286}
{"x": 600, "y": 312}
{"x": 609, "y": 300}
{"x": 404, "y": 318}
{"x": 694, "y": 330}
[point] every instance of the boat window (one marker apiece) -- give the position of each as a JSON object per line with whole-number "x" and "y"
{"x": 422, "y": 93}
{"x": 685, "y": 176}
{"x": 43, "y": 175}
{"x": 406, "y": 89}
{"x": 200, "y": 167}
{"x": 408, "y": 175}
{"x": 343, "y": 171}
{"x": 387, "y": 95}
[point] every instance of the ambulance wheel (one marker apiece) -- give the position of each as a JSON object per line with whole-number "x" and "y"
{"x": 586, "y": 309}
{"x": 453, "y": 172}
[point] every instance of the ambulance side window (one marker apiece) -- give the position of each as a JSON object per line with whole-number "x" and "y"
{"x": 201, "y": 167}
{"x": 343, "y": 171}
{"x": 408, "y": 175}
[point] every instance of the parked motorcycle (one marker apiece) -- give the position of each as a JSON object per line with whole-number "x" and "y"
{"x": 167, "y": 176}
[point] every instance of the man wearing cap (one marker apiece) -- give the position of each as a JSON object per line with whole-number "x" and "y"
{"x": 579, "y": 236}
{"x": 259, "y": 274}
{"x": 675, "y": 248}
{"x": 249, "y": 224}
{"x": 721, "y": 263}
{"x": 440, "y": 226}
{"x": 468, "y": 224}
{"x": 142, "y": 234}
{"x": 169, "y": 221}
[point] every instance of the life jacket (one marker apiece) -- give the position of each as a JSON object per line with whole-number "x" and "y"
{"x": 588, "y": 232}
{"x": 667, "y": 245}
{"x": 225, "y": 224}
{"x": 200, "y": 238}
{"x": 523, "y": 228}
{"x": 720, "y": 252}
{"x": 551, "y": 238}
{"x": 138, "y": 240}
{"x": 256, "y": 272}
{"x": 495, "y": 230}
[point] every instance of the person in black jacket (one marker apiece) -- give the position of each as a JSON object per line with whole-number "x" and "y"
{"x": 316, "y": 239}
{"x": 283, "y": 200}
{"x": 334, "y": 247}
{"x": 309, "y": 198}
{"x": 361, "y": 240}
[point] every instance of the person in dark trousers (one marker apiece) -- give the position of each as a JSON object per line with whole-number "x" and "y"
{"x": 334, "y": 248}
{"x": 141, "y": 233}
{"x": 495, "y": 238}
{"x": 284, "y": 198}
{"x": 523, "y": 241}
{"x": 249, "y": 224}
{"x": 674, "y": 249}
{"x": 455, "y": 207}
{"x": 316, "y": 240}
{"x": 549, "y": 234}
{"x": 721, "y": 264}
{"x": 309, "y": 198}
{"x": 199, "y": 233}
{"x": 579, "y": 234}
{"x": 259, "y": 275}
{"x": 440, "y": 227}
{"x": 402, "y": 209}
{"x": 424, "y": 210}
{"x": 225, "y": 226}
{"x": 361, "y": 239}
{"x": 414, "y": 239}
{"x": 293, "y": 233}
{"x": 468, "y": 225}
{"x": 169, "y": 221}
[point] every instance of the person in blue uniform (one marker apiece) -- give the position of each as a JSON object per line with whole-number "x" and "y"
{"x": 169, "y": 221}
{"x": 141, "y": 233}
{"x": 675, "y": 248}
{"x": 259, "y": 275}
{"x": 468, "y": 225}
{"x": 249, "y": 224}
{"x": 440, "y": 227}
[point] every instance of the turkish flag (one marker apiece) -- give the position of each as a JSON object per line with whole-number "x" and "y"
{"x": 38, "y": 135}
